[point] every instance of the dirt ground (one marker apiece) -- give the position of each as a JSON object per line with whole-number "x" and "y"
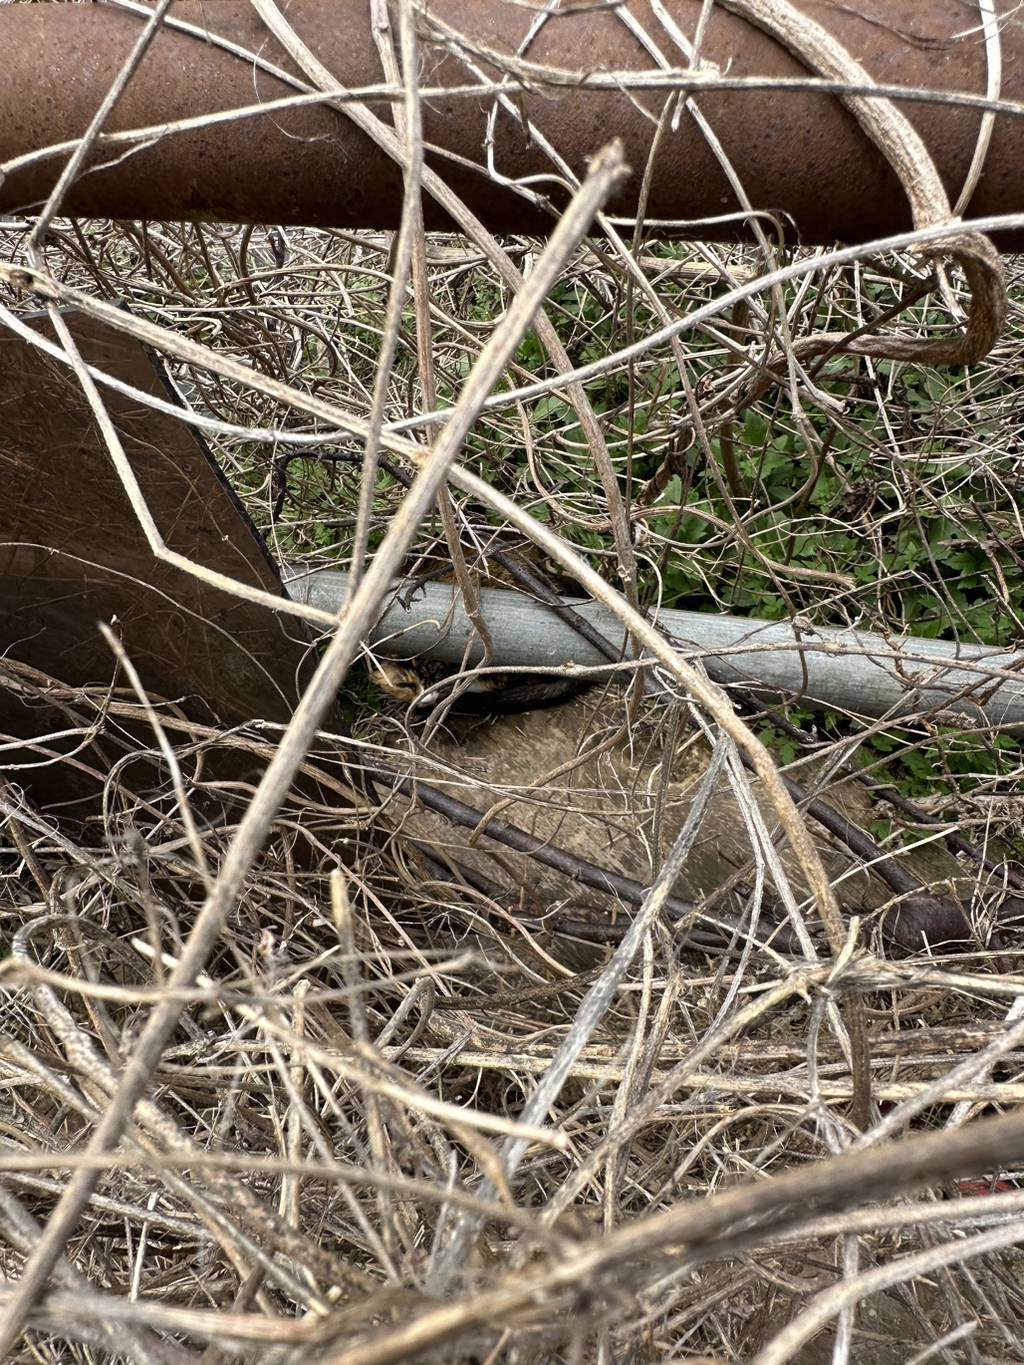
{"x": 576, "y": 776}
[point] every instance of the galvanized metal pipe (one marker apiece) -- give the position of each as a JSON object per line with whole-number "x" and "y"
{"x": 799, "y": 153}
{"x": 846, "y": 670}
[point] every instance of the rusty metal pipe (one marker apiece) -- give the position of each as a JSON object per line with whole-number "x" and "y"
{"x": 799, "y": 152}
